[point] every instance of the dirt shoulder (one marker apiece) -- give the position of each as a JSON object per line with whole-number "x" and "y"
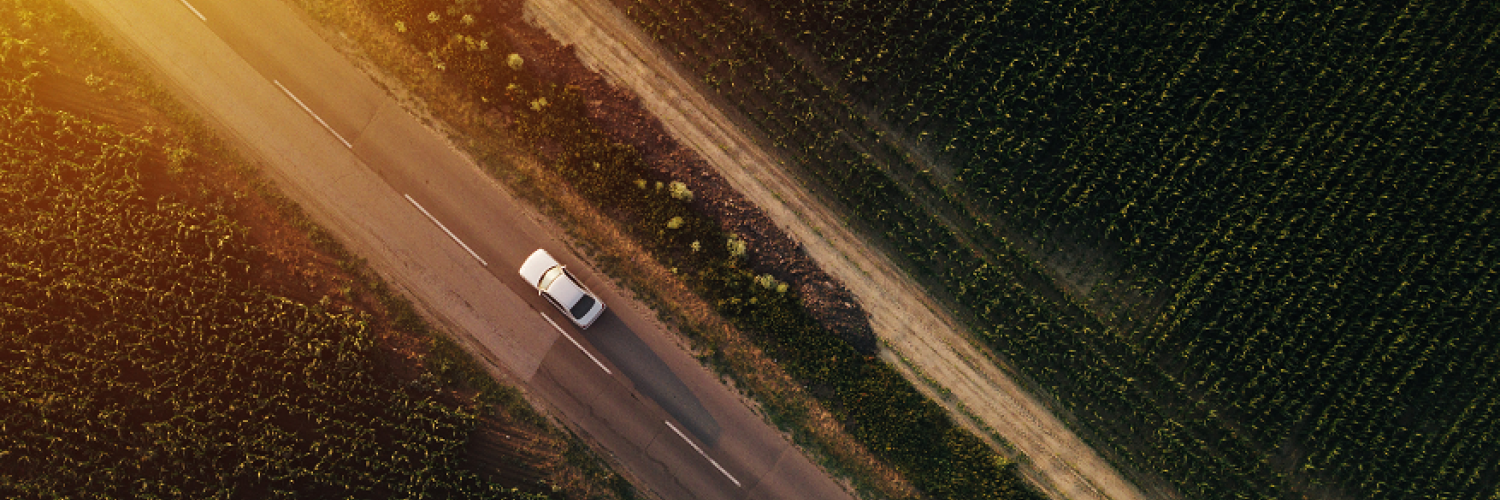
{"x": 920, "y": 337}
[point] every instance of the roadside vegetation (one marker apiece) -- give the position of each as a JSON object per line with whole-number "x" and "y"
{"x": 169, "y": 327}
{"x": 1250, "y": 248}
{"x": 857, "y": 414}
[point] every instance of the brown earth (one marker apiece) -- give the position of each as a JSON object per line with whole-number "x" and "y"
{"x": 623, "y": 118}
{"x": 921, "y": 337}
{"x": 640, "y": 97}
{"x": 390, "y": 59}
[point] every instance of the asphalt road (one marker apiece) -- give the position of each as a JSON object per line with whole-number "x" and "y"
{"x": 424, "y": 216}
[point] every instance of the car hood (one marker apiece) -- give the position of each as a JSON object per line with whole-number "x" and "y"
{"x": 539, "y": 262}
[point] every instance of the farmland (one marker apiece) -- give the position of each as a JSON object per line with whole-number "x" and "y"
{"x": 743, "y": 295}
{"x": 170, "y": 328}
{"x": 1250, "y": 247}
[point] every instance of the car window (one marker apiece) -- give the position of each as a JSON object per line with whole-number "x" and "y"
{"x": 549, "y": 277}
{"x": 584, "y": 305}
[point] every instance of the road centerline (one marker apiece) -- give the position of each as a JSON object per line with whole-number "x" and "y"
{"x": 705, "y": 455}
{"x": 310, "y": 112}
{"x": 576, "y": 344}
{"x": 195, "y": 10}
{"x": 445, "y": 230}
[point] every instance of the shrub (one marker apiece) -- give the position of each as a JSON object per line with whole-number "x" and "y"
{"x": 680, "y": 191}
{"x": 736, "y": 246}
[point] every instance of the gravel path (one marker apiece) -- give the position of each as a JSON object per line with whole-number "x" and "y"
{"x": 921, "y": 338}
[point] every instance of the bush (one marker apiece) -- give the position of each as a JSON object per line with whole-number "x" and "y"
{"x": 884, "y": 411}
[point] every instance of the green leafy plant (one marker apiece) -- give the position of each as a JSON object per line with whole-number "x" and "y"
{"x": 1260, "y": 179}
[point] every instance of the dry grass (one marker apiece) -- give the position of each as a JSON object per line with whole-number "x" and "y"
{"x": 400, "y": 69}
{"x": 722, "y": 346}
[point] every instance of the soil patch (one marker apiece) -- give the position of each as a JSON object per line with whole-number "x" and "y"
{"x": 925, "y": 341}
{"x": 622, "y": 117}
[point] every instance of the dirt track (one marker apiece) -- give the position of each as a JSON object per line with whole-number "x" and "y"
{"x": 919, "y": 335}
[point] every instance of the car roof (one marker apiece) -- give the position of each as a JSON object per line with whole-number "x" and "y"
{"x": 565, "y": 290}
{"x": 539, "y": 262}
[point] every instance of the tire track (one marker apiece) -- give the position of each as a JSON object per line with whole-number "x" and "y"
{"x": 922, "y": 339}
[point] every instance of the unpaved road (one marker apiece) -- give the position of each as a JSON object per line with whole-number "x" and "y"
{"x": 919, "y": 334}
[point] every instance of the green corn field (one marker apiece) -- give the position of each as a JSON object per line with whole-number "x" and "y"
{"x": 1289, "y": 207}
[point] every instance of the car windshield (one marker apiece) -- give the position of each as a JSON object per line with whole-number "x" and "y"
{"x": 582, "y": 307}
{"x": 549, "y": 277}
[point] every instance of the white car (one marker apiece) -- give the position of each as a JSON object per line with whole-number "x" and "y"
{"x": 553, "y": 281}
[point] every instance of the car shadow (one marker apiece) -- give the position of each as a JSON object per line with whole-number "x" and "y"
{"x": 652, "y": 377}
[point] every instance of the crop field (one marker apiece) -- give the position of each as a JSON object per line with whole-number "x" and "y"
{"x": 1283, "y": 212}
{"x": 140, "y": 354}
{"x": 883, "y": 414}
